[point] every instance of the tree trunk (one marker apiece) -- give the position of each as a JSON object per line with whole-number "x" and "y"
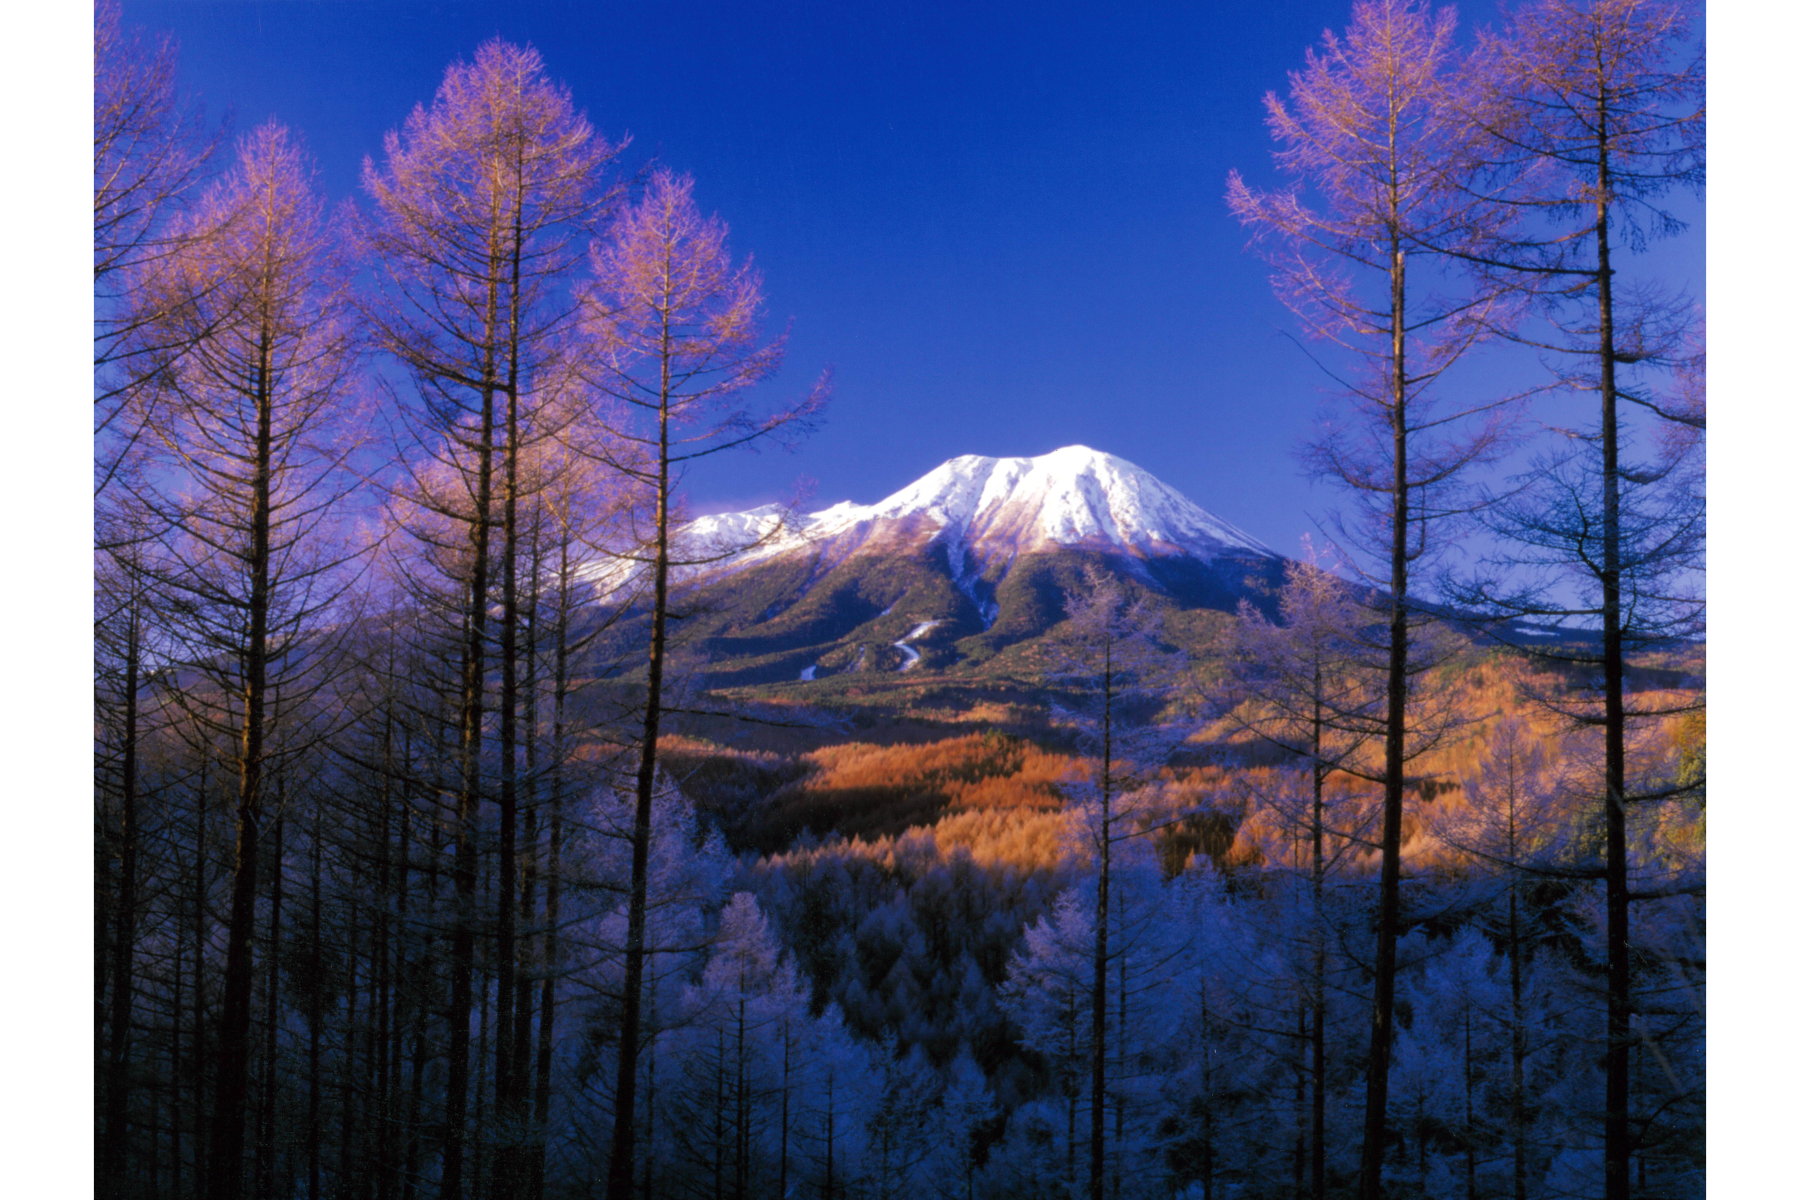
{"x": 468, "y": 804}
{"x": 315, "y": 1017}
{"x": 787, "y": 1054}
{"x": 553, "y": 880}
{"x": 1301, "y": 1112}
{"x": 1618, "y": 923}
{"x": 506, "y": 1091}
{"x": 112, "y": 1159}
{"x": 348, "y": 1167}
{"x": 620, "y": 1172}
{"x": 520, "y": 1119}
{"x": 1318, "y": 964}
{"x": 383, "y": 997}
{"x": 404, "y": 991}
{"x": 423, "y": 982}
{"x": 1097, "y": 1089}
{"x": 1387, "y": 921}
{"x": 227, "y": 1172}
{"x": 479, "y": 1168}
{"x": 177, "y": 1110}
{"x": 265, "y": 1133}
{"x": 201, "y": 1143}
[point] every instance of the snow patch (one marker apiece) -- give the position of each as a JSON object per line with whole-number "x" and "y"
{"x": 808, "y": 674}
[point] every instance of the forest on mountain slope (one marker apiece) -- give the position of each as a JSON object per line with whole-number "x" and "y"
{"x": 423, "y": 869}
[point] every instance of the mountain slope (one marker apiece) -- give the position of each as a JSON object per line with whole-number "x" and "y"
{"x": 952, "y": 571}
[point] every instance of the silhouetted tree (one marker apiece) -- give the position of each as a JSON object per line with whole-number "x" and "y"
{"x": 674, "y": 337}
{"x": 250, "y": 423}
{"x": 483, "y": 201}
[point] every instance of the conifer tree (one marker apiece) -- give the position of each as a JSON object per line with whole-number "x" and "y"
{"x": 250, "y": 421}
{"x": 1373, "y": 131}
{"x": 483, "y": 200}
{"x": 674, "y": 333}
{"x": 1110, "y": 659}
{"x": 1312, "y": 687}
{"x": 1513, "y": 821}
{"x": 1591, "y": 111}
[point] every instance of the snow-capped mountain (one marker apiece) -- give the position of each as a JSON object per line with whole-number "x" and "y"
{"x": 986, "y": 510}
{"x": 950, "y": 571}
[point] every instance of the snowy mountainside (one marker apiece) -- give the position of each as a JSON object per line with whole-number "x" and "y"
{"x": 987, "y": 509}
{"x": 958, "y": 574}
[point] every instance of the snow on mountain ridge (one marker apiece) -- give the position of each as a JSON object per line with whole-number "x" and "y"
{"x": 1068, "y": 497}
{"x": 985, "y": 508}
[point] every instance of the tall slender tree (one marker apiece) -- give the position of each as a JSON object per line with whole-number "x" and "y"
{"x": 1373, "y": 130}
{"x": 149, "y": 152}
{"x": 250, "y": 431}
{"x": 483, "y": 204}
{"x": 675, "y": 333}
{"x": 1311, "y": 685}
{"x": 1591, "y": 112}
{"x": 123, "y": 621}
{"x": 1514, "y": 821}
{"x": 1110, "y": 659}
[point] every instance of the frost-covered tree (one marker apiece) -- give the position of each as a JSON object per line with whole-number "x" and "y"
{"x": 687, "y": 873}
{"x": 835, "y": 1099}
{"x": 1153, "y": 927}
{"x": 906, "y": 1091}
{"x": 733, "y": 1055}
{"x": 1048, "y": 993}
{"x": 1513, "y": 823}
{"x": 1109, "y": 660}
{"x": 965, "y": 1109}
{"x": 1310, "y": 684}
{"x": 1451, "y": 1063}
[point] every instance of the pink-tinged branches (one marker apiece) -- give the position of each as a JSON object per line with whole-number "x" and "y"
{"x": 1371, "y": 135}
{"x": 676, "y": 326}
{"x": 674, "y": 331}
{"x": 1365, "y": 128}
{"x": 149, "y": 151}
{"x": 485, "y": 201}
{"x": 256, "y": 413}
{"x": 1591, "y": 106}
{"x": 1372, "y": 131}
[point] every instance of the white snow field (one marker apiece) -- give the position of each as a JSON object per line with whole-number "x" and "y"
{"x": 984, "y": 510}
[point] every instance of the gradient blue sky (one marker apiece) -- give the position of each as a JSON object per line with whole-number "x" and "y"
{"x": 1002, "y": 227}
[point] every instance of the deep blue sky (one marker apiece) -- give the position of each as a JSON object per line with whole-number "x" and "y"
{"x": 1002, "y": 228}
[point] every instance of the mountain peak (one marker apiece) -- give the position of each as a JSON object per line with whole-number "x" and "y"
{"x": 971, "y": 558}
{"x": 986, "y": 511}
{"x": 1072, "y": 496}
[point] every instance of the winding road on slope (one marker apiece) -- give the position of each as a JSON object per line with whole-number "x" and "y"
{"x": 913, "y": 656}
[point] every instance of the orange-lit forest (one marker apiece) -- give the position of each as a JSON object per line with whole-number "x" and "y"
{"x": 428, "y": 863}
